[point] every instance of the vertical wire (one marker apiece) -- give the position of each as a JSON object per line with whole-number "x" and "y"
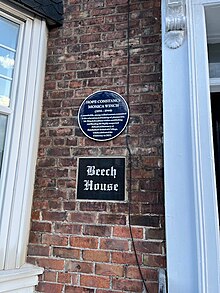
{"x": 129, "y": 150}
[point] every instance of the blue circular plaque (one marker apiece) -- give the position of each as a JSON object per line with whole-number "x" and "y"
{"x": 103, "y": 115}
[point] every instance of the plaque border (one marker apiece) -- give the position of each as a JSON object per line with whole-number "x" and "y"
{"x": 103, "y": 200}
{"x": 107, "y": 139}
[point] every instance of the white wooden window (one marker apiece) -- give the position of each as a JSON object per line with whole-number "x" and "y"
{"x": 23, "y": 40}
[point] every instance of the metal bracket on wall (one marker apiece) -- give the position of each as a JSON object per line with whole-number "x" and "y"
{"x": 175, "y": 23}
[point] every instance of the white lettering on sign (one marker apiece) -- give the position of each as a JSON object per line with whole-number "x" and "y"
{"x": 93, "y": 171}
{"x": 90, "y": 185}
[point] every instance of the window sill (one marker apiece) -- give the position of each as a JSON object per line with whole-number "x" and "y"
{"x": 21, "y": 280}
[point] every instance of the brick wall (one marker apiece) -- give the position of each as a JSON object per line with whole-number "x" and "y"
{"x": 85, "y": 246}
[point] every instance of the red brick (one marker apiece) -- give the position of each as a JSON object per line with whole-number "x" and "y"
{"x": 145, "y": 220}
{"x": 34, "y": 238}
{"x": 79, "y": 266}
{"x": 95, "y": 281}
{"x": 148, "y": 274}
{"x": 41, "y": 226}
{"x": 82, "y": 217}
{"x": 67, "y": 228}
{"x": 96, "y": 256}
{"x": 84, "y": 242}
{"x": 54, "y": 216}
{"x": 71, "y": 289}
{"x": 113, "y": 244}
{"x": 49, "y": 288}
{"x": 66, "y": 253}
{"x": 155, "y": 234}
{"x": 40, "y": 204}
{"x": 124, "y": 207}
{"x": 125, "y": 258}
{"x": 148, "y": 247}
{"x": 46, "y": 162}
{"x": 38, "y": 250}
{"x": 49, "y": 263}
{"x": 85, "y": 245}
{"x": 112, "y": 219}
{"x": 127, "y": 285}
{"x": 124, "y": 232}
{"x": 107, "y": 291}
{"x": 64, "y": 278}
{"x": 35, "y": 215}
{"x": 93, "y": 206}
{"x": 50, "y": 276}
{"x": 155, "y": 260}
{"x": 109, "y": 270}
{"x": 54, "y": 240}
{"x": 98, "y": 230}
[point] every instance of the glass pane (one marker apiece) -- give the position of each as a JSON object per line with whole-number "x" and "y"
{"x": 3, "y": 124}
{"x": 7, "y": 61}
{"x": 214, "y": 60}
{"x": 8, "y": 33}
{"x": 215, "y": 106}
{"x": 5, "y": 86}
{"x": 8, "y": 44}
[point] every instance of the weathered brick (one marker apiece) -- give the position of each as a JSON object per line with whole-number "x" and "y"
{"x": 41, "y": 226}
{"x": 95, "y": 281}
{"x": 155, "y": 260}
{"x": 112, "y": 219}
{"x": 84, "y": 242}
{"x": 93, "y": 206}
{"x": 71, "y": 289}
{"x": 148, "y": 246}
{"x": 97, "y": 230}
{"x": 148, "y": 274}
{"x": 85, "y": 246}
{"x": 79, "y": 266}
{"x": 66, "y": 253}
{"x": 145, "y": 220}
{"x": 109, "y": 270}
{"x": 113, "y": 244}
{"x": 124, "y": 232}
{"x": 34, "y": 237}
{"x": 126, "y": 258}
{"x": 49, "y": 263}
{"x": 127, "y": 285}
{"x": 50, "y": 276}
{"x": 50, "y": 239}
{"x": 54, "y": 216}
{"x": 49, "y": 288}
{"x": 35, "y": 215}
{"x": 67, "y": 228}
{"x": 64, "y": 278}
{"x": 96, "y": 256}
{"x": 79, "y": 217}
{"x": 39, "y": 250}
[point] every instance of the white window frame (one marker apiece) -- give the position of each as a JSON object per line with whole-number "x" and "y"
{"x": 20, "y": 154}
{"x": 192, "y": 228}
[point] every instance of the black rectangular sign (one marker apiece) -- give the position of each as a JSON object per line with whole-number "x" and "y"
{"x": 101, "y": 178}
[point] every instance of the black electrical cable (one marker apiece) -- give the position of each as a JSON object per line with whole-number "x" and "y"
{"x": 129, "y": 151}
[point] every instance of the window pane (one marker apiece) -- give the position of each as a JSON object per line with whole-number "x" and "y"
{"x": 7, "y": 60}
{"x": 8, "y": 33}
{"x": 3, "y": 124}
{"x": 8, "y": 44}
{"x": 5, "y": 86}
{"x": 214, "y": 60}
